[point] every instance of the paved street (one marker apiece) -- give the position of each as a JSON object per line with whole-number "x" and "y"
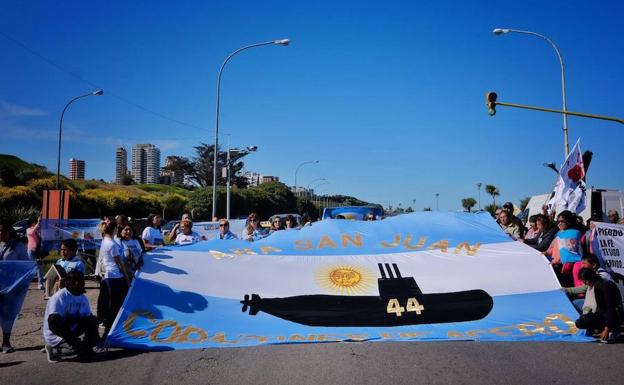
{"x": 344, "y": 363}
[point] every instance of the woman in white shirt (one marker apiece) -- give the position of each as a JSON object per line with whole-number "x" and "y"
{"x": 152, "y": 237}
{"x": 130, "y": 249}
{"x": 114, "y": 286}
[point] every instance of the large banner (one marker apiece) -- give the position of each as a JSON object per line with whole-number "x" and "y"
{"x": 608, "y": 244}
{"x": 15, "y": 277}
{"x": 420, "y": 276}
{"x": 85, "y": 231}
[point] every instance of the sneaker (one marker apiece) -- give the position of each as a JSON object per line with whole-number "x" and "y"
{"x": 6, "y": 349}
{"x": 52, "y": 354}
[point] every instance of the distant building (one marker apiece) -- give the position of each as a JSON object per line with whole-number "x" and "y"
{"x": 145, "y": 163}
{"x": 121, "y": 165}
{"x": 269, "y": 178}
{"x": 169, "y": 176}
{"x": 253, "y": 178}
{"x": 76, "y": 169}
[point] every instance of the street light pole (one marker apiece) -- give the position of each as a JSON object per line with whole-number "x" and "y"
{"x": 437, "y": 195}
{"x": 297, "y": 170}
{"x": 283, "y": 42}
{"x": 58, "y": 157}
{"x": 228, "y": 164}
{"x": 313, "y": 181}
{"x": 479, "y": 190}
{"x": 500, "y": 31}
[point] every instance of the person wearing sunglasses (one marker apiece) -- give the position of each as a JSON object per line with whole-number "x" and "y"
{"x": 566, "y": 249}
{"x": 276, "y": 225}
{"x": 224, "y": 230}
{"x": 252, "y": 231}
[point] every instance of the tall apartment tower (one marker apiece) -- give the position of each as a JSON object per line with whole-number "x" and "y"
{"x": 145, "y": 163}
{"x": 121, "y": 164}
{"x": 76, "y": 169}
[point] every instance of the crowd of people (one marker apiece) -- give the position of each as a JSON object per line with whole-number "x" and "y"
{"x": 567, "y": 242}
{"x": 70, "y": 326}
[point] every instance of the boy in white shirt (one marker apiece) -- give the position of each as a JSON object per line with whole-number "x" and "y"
{"x": 67, "y": 317}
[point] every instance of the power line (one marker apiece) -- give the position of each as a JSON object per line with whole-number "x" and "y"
{"x": 86, "y": 81}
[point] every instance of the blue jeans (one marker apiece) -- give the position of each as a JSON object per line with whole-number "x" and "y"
{"x": 32, "y": 255}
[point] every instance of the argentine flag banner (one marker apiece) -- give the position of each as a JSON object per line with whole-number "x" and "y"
{"x": 416, "y": 277}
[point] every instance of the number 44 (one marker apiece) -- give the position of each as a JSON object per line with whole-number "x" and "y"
{"x": 394, "y": 307}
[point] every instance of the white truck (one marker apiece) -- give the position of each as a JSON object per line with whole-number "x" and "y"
{"x": 597, "y": 203}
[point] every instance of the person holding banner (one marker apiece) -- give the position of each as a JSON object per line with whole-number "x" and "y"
{"x": 114, "y": 286}
{"x": 224, "y": 230}
{"x": 152, "y": 236}
{"x": 130, "y": 249}
{"x": 566, "y": 248}
{"x": 252, "y": 231}
{"x": 602, "y": 310}
{"x": 545, "y": 234}
{"x": 187, "y": 235}
{"x": 34, "y": 247}
{"x": 11, "y": 296}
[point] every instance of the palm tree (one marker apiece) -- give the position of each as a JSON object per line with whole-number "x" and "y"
{"x": 493, "y": 191}
{"x": 468, "y": 203}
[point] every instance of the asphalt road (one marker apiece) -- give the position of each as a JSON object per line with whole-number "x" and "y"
{"x": 330, "y": 363}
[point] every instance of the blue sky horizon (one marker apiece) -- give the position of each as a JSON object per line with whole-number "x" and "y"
{"x": 388, "y": 97}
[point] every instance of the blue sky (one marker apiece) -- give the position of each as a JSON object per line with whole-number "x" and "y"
{"x": 388, "y": 96}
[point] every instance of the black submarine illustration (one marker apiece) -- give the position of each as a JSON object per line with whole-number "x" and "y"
{"x": 400, "y": 302}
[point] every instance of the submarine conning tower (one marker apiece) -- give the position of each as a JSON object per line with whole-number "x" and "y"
{"x": 393, "y": 285}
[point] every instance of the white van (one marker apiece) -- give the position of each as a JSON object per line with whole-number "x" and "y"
{"x": 597, "y": 203}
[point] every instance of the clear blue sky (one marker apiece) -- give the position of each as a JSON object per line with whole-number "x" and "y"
{"x": 389, "y": 96}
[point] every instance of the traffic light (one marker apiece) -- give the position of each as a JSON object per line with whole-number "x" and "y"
{"x": 490, "y": 101}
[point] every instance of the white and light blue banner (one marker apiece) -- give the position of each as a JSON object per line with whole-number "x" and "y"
{"x": 85, "y": 231}
{"x": 15, "y": 277}
{"x": 414, "y": 277}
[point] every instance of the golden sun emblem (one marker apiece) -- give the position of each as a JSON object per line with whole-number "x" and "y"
{"x": 345, "y": 279}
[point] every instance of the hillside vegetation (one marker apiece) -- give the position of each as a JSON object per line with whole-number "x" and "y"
{"x": 22, "y": 185}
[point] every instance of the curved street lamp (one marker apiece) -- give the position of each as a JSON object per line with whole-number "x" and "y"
{"x": 282, "y": 42}
{"x": 228, "y": 162}
{"x": 501, "y": 31}
{"x": 58, "y": 157}
{"x": 297, "y": 170}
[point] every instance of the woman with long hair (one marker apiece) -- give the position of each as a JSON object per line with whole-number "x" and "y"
{"x": 152, "y": 236}
{"x": 130, "y": 249}
{"x": 566, "y": 249}
{"x": 114, "y": 286}
{"x": 252, "y": 231}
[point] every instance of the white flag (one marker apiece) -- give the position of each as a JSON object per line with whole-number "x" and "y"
{"x": 569, "y": 193}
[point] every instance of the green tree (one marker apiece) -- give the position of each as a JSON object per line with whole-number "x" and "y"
{"x": 202, "y": 166}
{"x": 493, "y": 191}
{"x": 524, "y": 202}
{"x": 427, "y": 209}
{"x": 468, "y": 203}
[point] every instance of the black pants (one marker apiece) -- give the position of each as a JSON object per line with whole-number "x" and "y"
{"x": 112, "y": 294}
{"x": 86, "y": 325}
{"x": 591, "y": 321}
